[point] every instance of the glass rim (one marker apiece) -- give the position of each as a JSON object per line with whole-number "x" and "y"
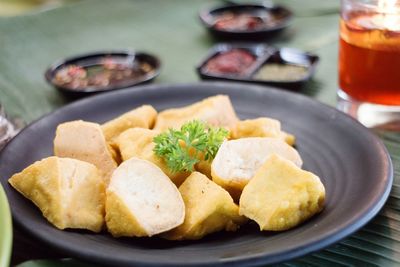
{"x": 372, "y": 5}
{"x": 370, "y": 2}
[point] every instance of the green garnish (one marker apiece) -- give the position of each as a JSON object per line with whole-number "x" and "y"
{"x": 195, "y": 141}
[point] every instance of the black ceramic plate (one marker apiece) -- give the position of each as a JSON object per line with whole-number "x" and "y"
{"x": 352, "y": 163}
{"x": 128, "y": 58}
{"x": 281, "y": 15}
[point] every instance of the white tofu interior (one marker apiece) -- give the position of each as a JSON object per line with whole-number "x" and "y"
{"x": 239, "y": 159}
{"x": 149, "y": 194}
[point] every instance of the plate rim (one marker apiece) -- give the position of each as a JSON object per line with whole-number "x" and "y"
{"x": 313, "y": 246}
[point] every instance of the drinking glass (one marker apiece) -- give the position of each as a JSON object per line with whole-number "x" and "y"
{"x": 369, "y": 61}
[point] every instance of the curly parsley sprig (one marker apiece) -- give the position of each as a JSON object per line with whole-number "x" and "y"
{"x": 182, "y": 149}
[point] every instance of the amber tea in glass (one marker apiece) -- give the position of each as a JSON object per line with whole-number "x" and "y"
{"x": 369, "y": 55}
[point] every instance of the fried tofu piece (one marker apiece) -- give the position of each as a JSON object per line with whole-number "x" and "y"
{"x": 261, "y": 127}
{"x": 69, "y": 192}
{"x": 142, "y": 200}
{"x": 281, "y": 195}
{"x": 209, "y": 208}
{"x": 142, "y": 117}
{"x": 216, "y": 111}
{"x": 84, "y": 141}
{"x": 204, "y": 166}
{"x": 115, "y": 154}
{"x": 238, "y": 160}
{"x": 290, "y": 139}
{"x": 138, "y": 142}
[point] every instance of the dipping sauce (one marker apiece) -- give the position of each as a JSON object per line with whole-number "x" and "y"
{"x": 235, "y": 61}
{"x": 281, "y": 72}
{"x": 109, "y": 71}
{"x": 231, "y": 21}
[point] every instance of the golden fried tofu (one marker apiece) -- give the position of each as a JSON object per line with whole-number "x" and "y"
{"x": 290, "y": 139}
{"x": 85, "y": 141}
{"x": 69, "y": 192}
{"x": 261, "y": 127}
{"x": 115, "y": 154}
{"x": 142, "y": 200}
{"x": 281, "y": 195}
{"x": 143, "y": 117}
{"x": 238, "y": 160}
{"x": 208, "y": 207}
{"x": 138, "y": 142}
{"x": 216, "y": 111}
{"x": 204, "y": 166}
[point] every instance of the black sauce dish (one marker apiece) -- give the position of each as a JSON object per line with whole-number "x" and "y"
{"x": 281, "y": 67}
{"x": 254, "y": 21}
{"x": 99, "y": 72}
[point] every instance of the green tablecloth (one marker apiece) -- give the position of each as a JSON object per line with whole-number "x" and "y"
{"x": 171, "y": 30}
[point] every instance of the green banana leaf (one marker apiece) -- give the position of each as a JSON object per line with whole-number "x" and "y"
{"x": 5, "y": 230}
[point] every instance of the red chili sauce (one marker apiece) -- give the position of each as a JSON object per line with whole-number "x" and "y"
{"x": 108, "y": 72}
{"x": 238, "y": 22}
{"x": 235, "y": 61}
{"x": 246, "y": 21}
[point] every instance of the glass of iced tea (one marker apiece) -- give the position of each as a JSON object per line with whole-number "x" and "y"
{"x": 369, "y": 61}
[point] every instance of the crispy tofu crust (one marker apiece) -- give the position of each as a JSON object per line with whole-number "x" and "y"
{"x": 208, "y": 207}
{"x": 281, "y": 195}
{"x": 216, "y": 111}
{"x": 70, "y": 193}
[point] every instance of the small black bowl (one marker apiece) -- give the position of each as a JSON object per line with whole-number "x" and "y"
{"x": 276, "y": 18}
{"x": 264, "y": 55}
{"x": 148, "y": 65}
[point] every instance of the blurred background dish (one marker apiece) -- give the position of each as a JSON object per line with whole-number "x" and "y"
{"x": 102, "y": 71}
{"x": 245, "y": 21}
{"x": 258, "y": 63}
